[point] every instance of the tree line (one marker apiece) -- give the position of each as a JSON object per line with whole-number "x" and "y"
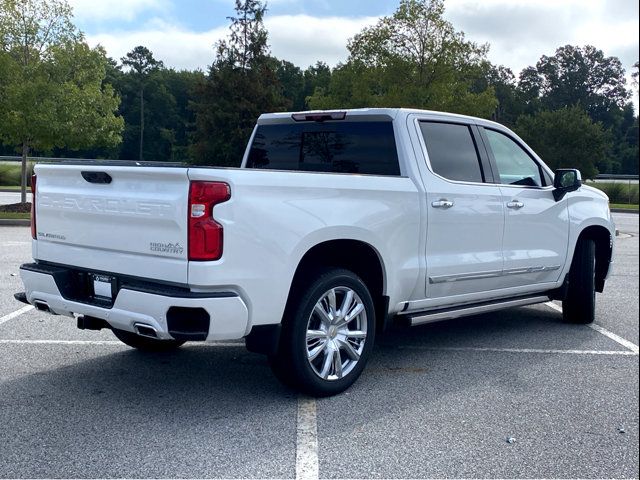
{"x": 58, "y": 96}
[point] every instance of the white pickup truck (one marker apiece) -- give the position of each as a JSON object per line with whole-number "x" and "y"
{"x": 337, "y": 224}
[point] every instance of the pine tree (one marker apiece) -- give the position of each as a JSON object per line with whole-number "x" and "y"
{"x": 241, "y": 84}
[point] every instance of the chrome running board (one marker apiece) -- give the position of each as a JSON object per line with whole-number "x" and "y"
{"x": 449, "y": 313}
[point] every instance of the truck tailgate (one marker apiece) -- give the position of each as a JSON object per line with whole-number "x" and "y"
{"x": 128, "y": 220}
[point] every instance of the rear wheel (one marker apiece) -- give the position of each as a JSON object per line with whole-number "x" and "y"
{"x": 579, "y": 306}
{"x": 146, "y": 344}
{"x": 327, "y": 336}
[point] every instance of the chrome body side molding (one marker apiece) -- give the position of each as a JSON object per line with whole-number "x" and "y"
{"x": 491, "y": 274}
{"x": 520, "y": 271}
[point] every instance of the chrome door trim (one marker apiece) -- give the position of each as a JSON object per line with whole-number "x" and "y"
{"x": 465, "y": 276}
{"x": 491, "y": 274}
{"x": 521, "y": 271}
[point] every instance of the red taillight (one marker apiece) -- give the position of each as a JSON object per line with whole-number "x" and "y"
{"x": 205, "y": 234}
{"x": 33, "y": 207}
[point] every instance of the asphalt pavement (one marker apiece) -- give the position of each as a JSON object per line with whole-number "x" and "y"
{"x": 516, "y": 394}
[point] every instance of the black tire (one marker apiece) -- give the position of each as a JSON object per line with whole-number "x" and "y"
{"x": 146, "y": 344}
{"x": 579, "y": 306}
{"x": 291, "y": 365}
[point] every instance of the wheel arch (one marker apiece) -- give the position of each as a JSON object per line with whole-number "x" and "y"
{"x": 604, "y": 250}
{"x": 358, "y": 256}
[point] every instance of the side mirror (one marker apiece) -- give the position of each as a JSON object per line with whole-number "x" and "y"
{"x": 566, "y": 180}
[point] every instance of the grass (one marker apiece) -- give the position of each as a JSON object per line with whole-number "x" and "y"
{"x": 624, "y": 206}
{"x": 12, "y": 187}
{"x": 619, "y": 193}
{"x": 10, "y": 174}
{"x": 14, "y": 216}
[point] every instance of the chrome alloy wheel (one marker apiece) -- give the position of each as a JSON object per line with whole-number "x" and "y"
{"x": 336, "y": 336}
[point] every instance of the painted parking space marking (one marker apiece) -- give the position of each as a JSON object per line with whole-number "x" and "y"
{"x": 306, "y": 440}
{"x": 108, "y": 342}
{"x": 553, "y": 306}
{"x": 15, "y": 314}
{"x": 624, "y": 353}
{"x": 60, "y": 342}
{"x": 415, "y": 347}
{"x": 600, "y": 329}
{"x": 616, "y": 338}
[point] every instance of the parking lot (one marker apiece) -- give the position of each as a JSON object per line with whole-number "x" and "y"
{"x": 516, "y": 393}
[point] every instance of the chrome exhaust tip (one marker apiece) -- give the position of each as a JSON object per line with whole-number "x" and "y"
{"x": 145, "y": 330}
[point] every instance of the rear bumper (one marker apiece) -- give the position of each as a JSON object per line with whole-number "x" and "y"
{"x": 228, "y": 314}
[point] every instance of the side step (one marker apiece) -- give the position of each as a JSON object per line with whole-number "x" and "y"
{"x": 449, "y": 313}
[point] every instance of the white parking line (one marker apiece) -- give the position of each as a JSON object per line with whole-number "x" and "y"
{"x": 616, "y": 338}
{"x": 307, "y": 440}
{"x": 600, "y": 329}
{"x": 521, "y": 350}
{"x": 60, "y": 342}
{"x": 553, "y": 306}
{"x": 108, "y": 342}
{"x": 15, "y": 314}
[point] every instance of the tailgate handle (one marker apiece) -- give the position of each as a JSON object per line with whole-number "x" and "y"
{"x": 97, "y": 177}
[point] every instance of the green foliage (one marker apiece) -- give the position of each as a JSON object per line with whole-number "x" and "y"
{"x": 414, "y": 58}
{"x": 168, "y": 117}
{"x": 619, "y": 192}
{"x": 59, "y": 95}
{"x": 141, "y": 66}
{"x": 292, "y": 80}
{"x": 503, "y": 82}
{"x": 565, "y": 138}
{"x": 316, "y": 78}
{"x": 585, "y": 77}
{"x": 581, "y": 76}
{"x": 10, "y": 174}
{"x": 242, "y": 83}
{"x": 52, "y": 87}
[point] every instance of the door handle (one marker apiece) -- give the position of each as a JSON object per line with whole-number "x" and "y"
{"x": 443, "y": 203}
{"x": 515, "y": 205}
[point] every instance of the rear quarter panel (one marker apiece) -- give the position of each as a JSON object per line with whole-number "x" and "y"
{"x": 273, "y": 218}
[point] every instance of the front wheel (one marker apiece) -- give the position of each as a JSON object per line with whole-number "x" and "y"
{"x": 579, "y": 306}
{"x": 327, "y": 335}
{"x": 144, "y": 343}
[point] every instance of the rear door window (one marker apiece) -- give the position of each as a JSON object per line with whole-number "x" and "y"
{"x": 452, "y": 151}
{"x": 332, "y": 147}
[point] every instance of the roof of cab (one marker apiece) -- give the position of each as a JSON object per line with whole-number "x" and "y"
{"x": 376, "y": 113}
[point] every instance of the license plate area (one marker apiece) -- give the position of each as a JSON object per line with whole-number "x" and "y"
{"x": 102, "y": 288}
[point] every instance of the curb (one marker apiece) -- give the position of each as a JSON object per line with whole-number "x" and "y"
{"x": 14, "y": 222}
{"x": 624, "y": 210}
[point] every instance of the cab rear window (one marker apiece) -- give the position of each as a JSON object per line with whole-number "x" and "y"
{"x": 332, "y": 147}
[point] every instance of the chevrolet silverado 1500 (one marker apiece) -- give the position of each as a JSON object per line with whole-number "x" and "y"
{"x": 336, "y": 224}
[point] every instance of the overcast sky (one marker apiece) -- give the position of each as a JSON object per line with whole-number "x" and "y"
{"x": 182, "y": 32}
